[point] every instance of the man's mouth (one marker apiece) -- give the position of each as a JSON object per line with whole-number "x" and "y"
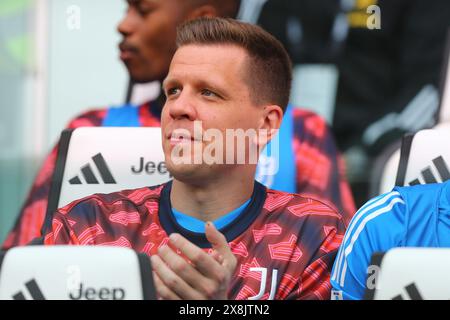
{"x": 127, "y": 51}
{"x": 181, "y": 137}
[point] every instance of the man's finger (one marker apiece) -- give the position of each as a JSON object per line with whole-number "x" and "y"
{"x": 220, "y": 244}
{"x": 217, "y": 240}
{"x": 217, "y": 256}
{"x": 171, "y": 281}
{"x": 188, "y": 273}
{"x": 202, "y": 261}
{"x": 162, "y": 290}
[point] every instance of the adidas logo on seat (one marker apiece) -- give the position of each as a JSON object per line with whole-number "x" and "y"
{"x": 89, "y": 175}
{"x": 33, "y": 290}
{"x": 429, "y": 177}
{"x": 412, "y": 292}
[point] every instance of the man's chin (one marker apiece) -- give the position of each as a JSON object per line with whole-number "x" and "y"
{"x": 186, "y": 173}
{"x": 141, "y": 80}
{"x": 139, "y": 77}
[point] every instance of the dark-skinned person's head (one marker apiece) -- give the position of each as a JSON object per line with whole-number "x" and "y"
{"x": 149, "y": 32}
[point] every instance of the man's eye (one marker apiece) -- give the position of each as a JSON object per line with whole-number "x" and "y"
{"x": 143, "y": 9}
{"x": 208, "y": 93}
{"x": 172, "y": 91}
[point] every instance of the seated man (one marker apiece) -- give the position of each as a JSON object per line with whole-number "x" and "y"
{"x": 312, "y": 162}
{"x": 417, "y": 216}
{"x": 226, "y": 77}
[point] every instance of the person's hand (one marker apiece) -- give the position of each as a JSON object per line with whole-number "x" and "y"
{"x": 204, "y": 276}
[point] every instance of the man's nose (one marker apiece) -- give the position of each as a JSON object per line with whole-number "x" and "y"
{"x": 129, "y": 23}
{"x": 183, "y": 107}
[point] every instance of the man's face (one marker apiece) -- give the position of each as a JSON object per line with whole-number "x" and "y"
{"x": 149, "y": 33}
{"x": 206, "y": 83}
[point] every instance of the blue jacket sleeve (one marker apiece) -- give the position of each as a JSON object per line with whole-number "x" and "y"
{"x": 377, "y": 227}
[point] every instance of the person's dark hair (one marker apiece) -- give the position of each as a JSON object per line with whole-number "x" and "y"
{"x": 227, "y": 8}
{"x": 269, "y": 69}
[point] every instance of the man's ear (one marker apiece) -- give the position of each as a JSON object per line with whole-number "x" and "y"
{"x": 270, "y": 124}
{"x": 206, "y": 10}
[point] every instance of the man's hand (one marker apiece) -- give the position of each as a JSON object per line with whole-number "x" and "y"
{"x": 205, "y": 277}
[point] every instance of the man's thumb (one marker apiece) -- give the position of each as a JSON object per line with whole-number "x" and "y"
{"x": 217, "y": 239}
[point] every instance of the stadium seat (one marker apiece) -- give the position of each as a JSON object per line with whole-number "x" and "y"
{"x": 384, "y": 170}
{"x": 425, "y": 157}
{"x": 105, "y": 159}
{"x": 421, "y": 159}
{"x": 75, "y": 273}
{"x": 409, "y": 274}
